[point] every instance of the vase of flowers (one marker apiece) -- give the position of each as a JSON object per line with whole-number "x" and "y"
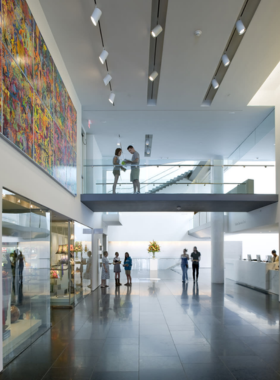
{"x": 153, "y": 248}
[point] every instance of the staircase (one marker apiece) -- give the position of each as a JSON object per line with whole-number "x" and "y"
{"x": 171, "y": 182}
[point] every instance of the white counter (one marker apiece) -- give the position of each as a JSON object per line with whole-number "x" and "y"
{"x": 254, "y": 274}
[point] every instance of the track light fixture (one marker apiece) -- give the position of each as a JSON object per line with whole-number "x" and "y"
{"x": 153, "y": 76}
{"x": 95, "y": 17}
{"x": 156, "y": 31}
{"x": 240, "y": 27}
{"x": 147, "y": 142}
{"x": 225, "y": 60}
{"x": 112, "y": 98}
{"x": 148, "y": 151}
{"x": 107, "y": 79}
{"x": 103, "y": 56}
{"x": 215, "y": 84}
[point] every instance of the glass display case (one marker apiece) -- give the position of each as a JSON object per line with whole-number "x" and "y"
{"x": 71, "y": 272}
{"x": 25, "y": 273}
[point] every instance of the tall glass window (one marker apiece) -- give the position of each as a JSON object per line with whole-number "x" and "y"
{"x": 25, "y": 273}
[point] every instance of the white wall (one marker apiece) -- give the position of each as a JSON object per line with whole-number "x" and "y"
{"x": 256, "y": 244}
{"x": 169, "y": 229}
{"x": 164, "y": 226}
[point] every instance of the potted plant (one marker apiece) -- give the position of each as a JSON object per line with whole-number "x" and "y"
{"x": 153, "y": 248}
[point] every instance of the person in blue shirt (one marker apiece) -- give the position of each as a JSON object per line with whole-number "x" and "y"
{"x": 185, "y": 265}
{"x": 127, "y": 266}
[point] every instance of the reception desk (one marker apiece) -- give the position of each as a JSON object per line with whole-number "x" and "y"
{"x": 259, "y": 275}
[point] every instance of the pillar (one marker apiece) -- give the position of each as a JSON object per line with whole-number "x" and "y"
{"x": 217, "y": 225}
{"x": 277, "y": 165}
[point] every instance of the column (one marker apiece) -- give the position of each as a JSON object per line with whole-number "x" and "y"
{"x": 217, "y": 225}
{"x": 277, "y": 163}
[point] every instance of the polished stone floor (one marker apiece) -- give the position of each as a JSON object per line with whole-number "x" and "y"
{"x": 159, "y": 329}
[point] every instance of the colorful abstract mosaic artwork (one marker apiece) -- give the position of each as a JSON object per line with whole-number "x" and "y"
{"x": 60, "y": 101}
{"x": 37, "y": 113}
{"x": 43, "y": 70}
{"x": 18, "y": 26}
{"x": 71, "y": 123}
{"x": 43, "y": 136}
{"x": 17, "y": 105}
{"x": 59, "y": 156}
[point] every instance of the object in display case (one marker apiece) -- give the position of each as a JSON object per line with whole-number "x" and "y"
{"x": 54, "y": 274}
{"x": 71, "y": 248}
{"x": 87, "y": 274}
{"x": 15, "y": 313}
{"x": 86, "y": 249}
{"x": 60, "y": 249}
{"x": 65, "y": 248}
{"x": 78, "y": 246}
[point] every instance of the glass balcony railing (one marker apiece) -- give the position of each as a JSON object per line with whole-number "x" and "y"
{"x": 181, "y": 177}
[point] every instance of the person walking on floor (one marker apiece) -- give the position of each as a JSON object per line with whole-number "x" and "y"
{"x": 195, "y": 256}
{"x": 105, "y": 274}
{"x": 117, "y": 268}
{"x": 135, "y": 169}
{"x": 185, "y": 265}
{"x": 127, "y": 266}
{"x": 117, "y": 168}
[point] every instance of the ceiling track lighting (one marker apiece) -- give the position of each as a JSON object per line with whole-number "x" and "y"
{"x": 112, "y": 98}
{"x": 215, "y": 84}
{"x": 153, "y": 76}
{"x": 240, "y": 27}
{"x": 156, "y": 31}
{"x": 226, "y": 60}
{"x": 147, "y": 142}
{"x": 103, "y": 56}
{"x": 107, "y": 79}
{"x": 95, "y": 17}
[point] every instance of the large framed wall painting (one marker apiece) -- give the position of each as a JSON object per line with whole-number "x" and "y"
{"x": 36, "y": 112}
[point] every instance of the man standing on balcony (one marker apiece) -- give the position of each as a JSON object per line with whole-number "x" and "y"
{"x": 135, "y": 169}
{"x": 195, "y": 256}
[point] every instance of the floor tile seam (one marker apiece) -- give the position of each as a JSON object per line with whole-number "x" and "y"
{"x": 175, "y": 346}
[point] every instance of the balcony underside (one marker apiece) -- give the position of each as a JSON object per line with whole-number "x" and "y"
{"x": 170, "y": 202}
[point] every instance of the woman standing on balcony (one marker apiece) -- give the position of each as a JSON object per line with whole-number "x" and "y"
{"x": 117, "y": 168}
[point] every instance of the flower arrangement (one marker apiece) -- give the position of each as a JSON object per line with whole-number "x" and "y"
{"x": 153, "y": 247}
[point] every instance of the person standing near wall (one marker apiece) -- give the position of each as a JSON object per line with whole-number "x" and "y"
{"x": 135, "y": 169}
{"x": 185, "y": 265}
{"x": 117, "y": 268}
{"x": 275, "y": 258}
{"x": 195, "y": 256}
{"x": 127, "y": 265}
{"x": 105, "y": 274}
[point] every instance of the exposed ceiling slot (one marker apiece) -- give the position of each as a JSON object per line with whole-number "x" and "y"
{"x": 246, "y": 15}
{"x": 158, "y": 18}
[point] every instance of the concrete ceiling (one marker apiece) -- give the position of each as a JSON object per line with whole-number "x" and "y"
{"x": 180, "y": 127}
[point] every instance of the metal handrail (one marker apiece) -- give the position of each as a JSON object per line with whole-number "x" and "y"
{"x": 181, "y": 183}
{"x": 202, "y": 166}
